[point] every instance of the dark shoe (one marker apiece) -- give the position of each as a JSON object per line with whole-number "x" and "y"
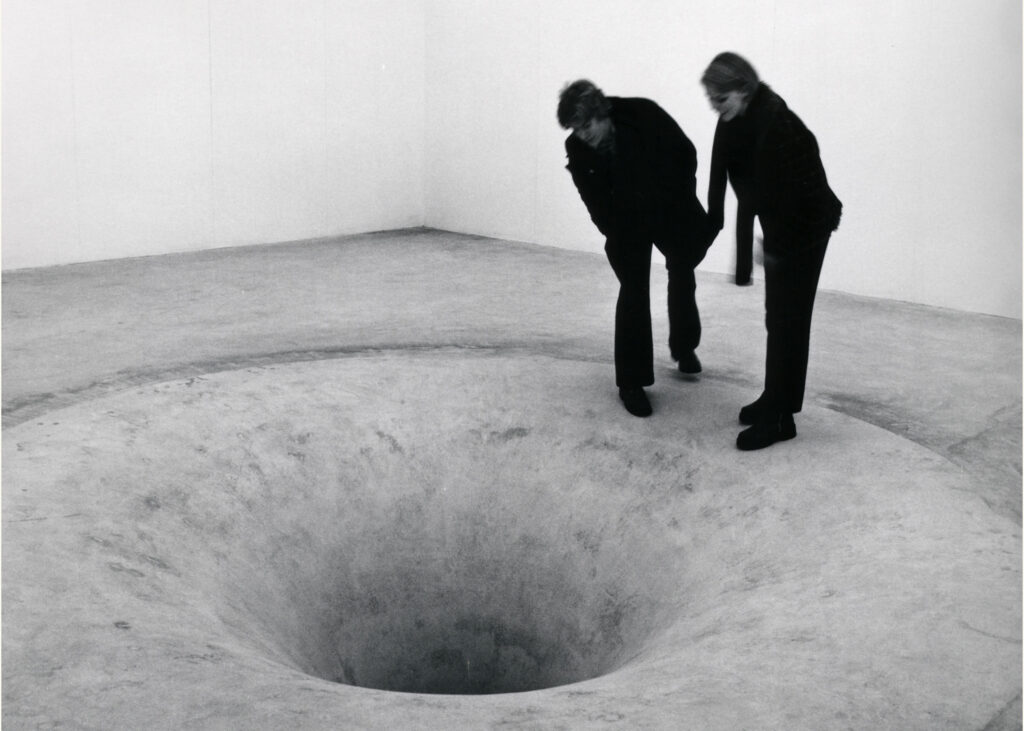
{"x": 635, "y": 401}
{"x": 689, "y": 364}
{"x": 750, "y": 412}
{"x": 742, "y": 281}
{"x": 766, "y": 432}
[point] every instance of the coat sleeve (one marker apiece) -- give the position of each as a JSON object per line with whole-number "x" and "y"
{"x": 799, "y": 205}
{"x": 675, "y": 186}
{"x": 717, "y": 183}
{"x": 804, "y": 205}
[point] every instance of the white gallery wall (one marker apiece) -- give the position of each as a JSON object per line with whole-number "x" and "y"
{"x": 134, "y": 127}
{"x": 916, "y": 105}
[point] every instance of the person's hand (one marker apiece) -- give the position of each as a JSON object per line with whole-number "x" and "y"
{"x": 762, "y": 257}
{"x": 758, "y": 253}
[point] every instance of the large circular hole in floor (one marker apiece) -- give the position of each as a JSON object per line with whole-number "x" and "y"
{"x": 220, "y": 549}
{"x": 457, "y": 551}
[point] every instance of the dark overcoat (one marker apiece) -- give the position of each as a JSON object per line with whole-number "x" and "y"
{"x": 645, "y": 188}
{"x": 784, "y": 179}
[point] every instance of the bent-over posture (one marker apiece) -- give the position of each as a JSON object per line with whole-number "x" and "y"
{"x": 635, "y": 170}
{"x": 781, "y": 179}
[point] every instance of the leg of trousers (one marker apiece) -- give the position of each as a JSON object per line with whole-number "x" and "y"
{"x": 791, "y": 283}
{"x": 634, "y": 347}
{"x": 744, "y": 242}
{"x": 683, "y": 316}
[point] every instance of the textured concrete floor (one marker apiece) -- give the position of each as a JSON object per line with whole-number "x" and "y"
{"x": 229, "y": 475}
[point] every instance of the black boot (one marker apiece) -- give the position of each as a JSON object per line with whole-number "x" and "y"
{"x": 766, "y": 431}
{"x": 635, "y": 400}
{"x": 689, "y": 363}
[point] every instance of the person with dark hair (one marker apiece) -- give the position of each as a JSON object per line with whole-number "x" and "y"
{"x": 777, "y": 173}
{"x": 635, "y": 170}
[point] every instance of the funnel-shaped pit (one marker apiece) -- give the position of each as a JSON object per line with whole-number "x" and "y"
{"x": 272, "y": 547}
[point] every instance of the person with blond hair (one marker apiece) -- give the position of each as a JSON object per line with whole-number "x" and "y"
{"x": 779, "y": 178}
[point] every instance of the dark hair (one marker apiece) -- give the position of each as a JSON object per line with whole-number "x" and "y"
{"x": 581, "y": 101}
{"x": 729, "y": 71}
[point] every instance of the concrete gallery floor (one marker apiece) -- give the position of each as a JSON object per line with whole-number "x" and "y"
{"x": 385, "y": 481}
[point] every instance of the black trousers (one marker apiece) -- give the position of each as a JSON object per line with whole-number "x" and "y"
{"x": 791, "y": 283}
{"x": 631, "y": 261}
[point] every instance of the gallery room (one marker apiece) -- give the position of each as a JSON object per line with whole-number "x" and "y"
{"x": 321, "y": 330}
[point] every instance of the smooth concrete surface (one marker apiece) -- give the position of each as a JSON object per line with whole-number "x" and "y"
{"x": 385, "y": 482}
